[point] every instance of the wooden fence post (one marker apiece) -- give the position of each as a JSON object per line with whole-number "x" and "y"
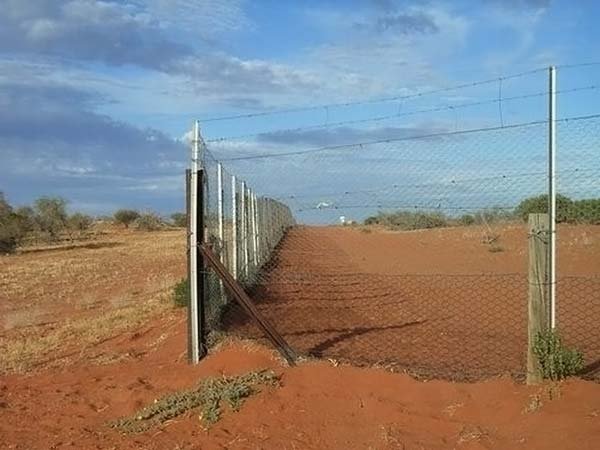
{"x": 539, "y": 301}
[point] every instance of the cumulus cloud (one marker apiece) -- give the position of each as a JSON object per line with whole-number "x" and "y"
{"x": 52, "y": 141}
{"x": 114, "y": 33}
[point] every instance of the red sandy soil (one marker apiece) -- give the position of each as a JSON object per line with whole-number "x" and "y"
{"x": 437, "y": 303}
{"x": 318, "y": 406}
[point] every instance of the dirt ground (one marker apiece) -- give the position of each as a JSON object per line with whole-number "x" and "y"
{"x": 437, "y": 303}
{"x": 90, "y": 335}
{"x": 317, "y": 406}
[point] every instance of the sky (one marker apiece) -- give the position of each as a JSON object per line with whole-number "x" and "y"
{"x": 97, "y": 98}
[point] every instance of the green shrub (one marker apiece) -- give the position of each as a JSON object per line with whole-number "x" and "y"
{"x": 181, "y": 293}
{"x": 539, "y": 205}
{"x": 126, "y": 216}
{"x": 50, "y": 216}
{"x": 11, "y": 227}
{"x": 556, "y": 361}
{"x": 149, "y": 222}
{"x": 466, "y": 219}
{"x": 408, "y": 220}
{"x": 586, "y": 211}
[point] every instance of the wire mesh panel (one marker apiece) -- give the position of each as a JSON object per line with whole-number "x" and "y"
{"x": 578, "y": 238}
{"x": 406, "y": 245}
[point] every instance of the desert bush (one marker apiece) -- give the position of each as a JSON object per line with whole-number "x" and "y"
{"x": 466, "y": 219}
{"x": 149, "y": 222}
{"x": 556, "y": 360}
{"x": 539, "y": 205}
{"x": 493, "y": 215}
{"x": 78, "y": 224}
{"x": 26, "y": 217}
{"x": 50, "y": 216}
{"x": 408, "y": 220}
{"x": 586, "y": 211}
{"x": 11, "y": 230}
{"x": 126, "y": 216}
{"x": 179, "y": 220}
{"x": 181, "y": 293}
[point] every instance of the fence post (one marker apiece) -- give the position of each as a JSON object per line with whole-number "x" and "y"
{"x": 257, "y": 258}
{"x": 254, "y": 230}
{"x": 196, "y": 267}
{"x": 221, "y": 224}
{"x": 552, "y": 193}
{"x": 539, "y": 314}
{"x": 243, "y": 216}
{"x": 188, "y": 214}
{"x": 234, "y": 229}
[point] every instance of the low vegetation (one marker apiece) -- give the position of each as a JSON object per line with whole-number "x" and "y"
{"x": 585, "y": 211}
{"x": 47, "y": 221}
{"x": 149, "y": 222}
{"x": 179, "y": 220}
{"x": 126, "y": 217}
{"x": 181, "y": 293}
{"x": 209, "y": 397}
{"x": 556, "y": 361}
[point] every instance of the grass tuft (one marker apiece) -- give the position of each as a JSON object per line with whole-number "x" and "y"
{"x": 209, "y": 396}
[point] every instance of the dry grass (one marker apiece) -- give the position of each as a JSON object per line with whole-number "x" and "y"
{"x": 21, "y": 355}
{"x": 55, "y": 302}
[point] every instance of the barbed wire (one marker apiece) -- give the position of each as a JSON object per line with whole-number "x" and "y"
{"x": 373, "y": 101}
{"x": 405, "y": 138}
{"x": 446, "y": 107}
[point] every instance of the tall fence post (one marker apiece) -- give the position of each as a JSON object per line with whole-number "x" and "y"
{"x": 221, "y": 225}
{"x": 234, "y": 228}
{"x": 196, "y": 266}
{"x": 188, "y": 214}
{"x": 256, "y": 218}
{"x": 552, "y": 193}
{"x": 244, "y": 231}
{"x": 539, "y": 313}
{"x": 254, "y": 231}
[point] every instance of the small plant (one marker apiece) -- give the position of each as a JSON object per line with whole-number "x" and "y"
{"x": 126, "y": 216}
{"x": 181, "y": 293}
{"x": 556, "y": 360}
{"x": 208, "y": 397}
{"x": 149, "y": 222}
{"x": 495, "y": 248}
{"x": 179, "y": 220}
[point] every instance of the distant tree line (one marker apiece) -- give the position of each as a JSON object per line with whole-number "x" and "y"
{"x": 48, "y": 221}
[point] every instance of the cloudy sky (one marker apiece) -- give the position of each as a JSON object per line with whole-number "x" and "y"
{"x": 96, "y": 97}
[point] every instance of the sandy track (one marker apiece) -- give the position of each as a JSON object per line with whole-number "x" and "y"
{"x": 435, "y": 302}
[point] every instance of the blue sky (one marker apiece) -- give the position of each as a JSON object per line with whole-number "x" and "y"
{"x": 96, "y": 97}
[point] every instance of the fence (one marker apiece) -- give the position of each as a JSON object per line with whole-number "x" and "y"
{"x": 407, "y": 246}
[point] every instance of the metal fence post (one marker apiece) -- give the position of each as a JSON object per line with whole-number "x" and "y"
{"x": 253, "y": 228}
{"x": 244, "y": 232}
{"x": 196, "y": 236}
{"x": 552, "y": 193}
{"x": 234, "y": 229}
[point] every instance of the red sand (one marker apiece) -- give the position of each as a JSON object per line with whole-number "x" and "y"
{"x": 437, "y": 303}
{"x": 318, "y": 406}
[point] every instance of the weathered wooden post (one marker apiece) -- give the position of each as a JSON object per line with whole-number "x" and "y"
{"x": 539, "y": 299}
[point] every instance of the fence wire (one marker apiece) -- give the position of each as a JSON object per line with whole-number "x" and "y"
{"x": 406, "y": 246}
